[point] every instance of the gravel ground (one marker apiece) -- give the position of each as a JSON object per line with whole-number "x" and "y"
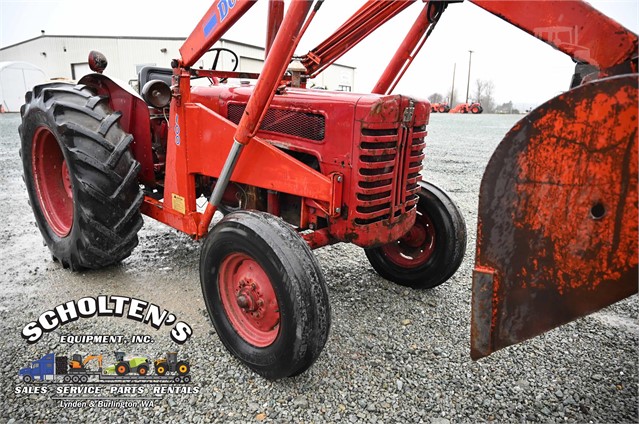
{"x": 394, "y": 354}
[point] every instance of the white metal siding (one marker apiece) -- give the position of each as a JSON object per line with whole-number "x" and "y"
{"x": 126, "y": 55}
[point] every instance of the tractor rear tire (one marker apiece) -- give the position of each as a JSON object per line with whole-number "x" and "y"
{"x": 431, "y": 251}
{"x": 265, "y": 294}
{"x": 143, "y": 370}
{"x": 80, "y": 176}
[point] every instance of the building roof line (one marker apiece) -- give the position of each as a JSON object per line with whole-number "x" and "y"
{"x": 114, "y": 37}
{"x": 133, "y": 37}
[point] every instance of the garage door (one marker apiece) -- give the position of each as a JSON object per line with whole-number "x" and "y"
{"x": 248, "y": 64}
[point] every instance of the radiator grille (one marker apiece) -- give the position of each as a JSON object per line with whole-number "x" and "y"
{"x": 390, "y": 162}
{"x": 306, "y": 125}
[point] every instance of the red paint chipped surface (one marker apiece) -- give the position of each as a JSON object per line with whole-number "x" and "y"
{"x": 592, "y": 146}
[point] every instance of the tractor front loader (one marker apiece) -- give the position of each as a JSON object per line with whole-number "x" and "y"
{"x": 294, "y": 169}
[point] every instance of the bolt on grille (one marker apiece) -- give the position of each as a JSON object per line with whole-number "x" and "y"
{"x": 306, "y": 125}
{"x": 390, "y": 161}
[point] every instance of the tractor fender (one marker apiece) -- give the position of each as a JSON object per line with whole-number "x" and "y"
{"x": 135, "y": 118}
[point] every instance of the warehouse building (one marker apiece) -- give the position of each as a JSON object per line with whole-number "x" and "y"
{"x": 65, "y": 57}
{"x": 16, "y": 78}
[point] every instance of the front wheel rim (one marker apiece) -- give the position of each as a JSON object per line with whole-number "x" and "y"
{"x": 249, "y": 300}
{"x": 416, "y": 247}
{"x": 52, "y": 182}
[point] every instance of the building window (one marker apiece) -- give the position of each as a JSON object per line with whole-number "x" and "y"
{"x": 78, "y": 70}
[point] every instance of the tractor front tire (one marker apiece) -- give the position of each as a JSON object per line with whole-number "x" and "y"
{"x": 431, "y": 251}
{"x": 265, "y": 294}
{"x": 80, "y": 176}
{"x": 160, "y": 369}
{"x": 143, "y": 370}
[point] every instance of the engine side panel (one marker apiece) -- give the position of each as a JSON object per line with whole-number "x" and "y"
{"x": 375, "y": 142}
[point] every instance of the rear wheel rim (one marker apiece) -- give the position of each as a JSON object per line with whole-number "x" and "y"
{"x": 249, "y": 300}
{"x": 52, "y": 182}
{"x": 416, "y": 247}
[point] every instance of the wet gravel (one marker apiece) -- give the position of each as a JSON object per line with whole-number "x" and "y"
{"x": 394, "y": 354}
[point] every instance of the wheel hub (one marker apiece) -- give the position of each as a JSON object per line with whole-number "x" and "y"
{"x": 249, "y": 299}
{"x": 416, "y": 237}
{"x": 416, "y": 247}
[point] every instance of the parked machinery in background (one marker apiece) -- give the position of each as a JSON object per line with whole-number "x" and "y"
{"x": 473, "y": 108}
{"x": 440, "y": 107}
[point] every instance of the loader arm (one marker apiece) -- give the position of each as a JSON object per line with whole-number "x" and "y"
{"x": 595, "y": 38}
{"x": 90, "y": 358}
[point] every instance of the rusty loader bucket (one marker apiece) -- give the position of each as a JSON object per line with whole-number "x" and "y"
{"x": 557, "y": 226}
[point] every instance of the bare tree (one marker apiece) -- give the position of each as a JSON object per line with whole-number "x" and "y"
{"x": 484, "y": 91}
{"x": 435, "y": 98}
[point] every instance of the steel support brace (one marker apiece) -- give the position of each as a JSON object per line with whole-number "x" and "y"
{"x": 410, "y": 47}
{"x": 365, "y": 21}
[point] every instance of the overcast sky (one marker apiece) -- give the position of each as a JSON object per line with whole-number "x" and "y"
{"x": 522, "y": 68}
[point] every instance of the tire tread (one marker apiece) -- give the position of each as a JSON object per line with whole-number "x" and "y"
{"x": 104, "y": 173}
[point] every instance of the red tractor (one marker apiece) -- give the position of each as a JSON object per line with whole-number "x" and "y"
{"x": 440, "y": 107}
{"x": 473, "y": 108}
{"x": 293, "y": 169}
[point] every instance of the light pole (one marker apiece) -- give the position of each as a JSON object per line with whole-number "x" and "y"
{"x": 452, "y": 88}
{"x": 470, "y": 58}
